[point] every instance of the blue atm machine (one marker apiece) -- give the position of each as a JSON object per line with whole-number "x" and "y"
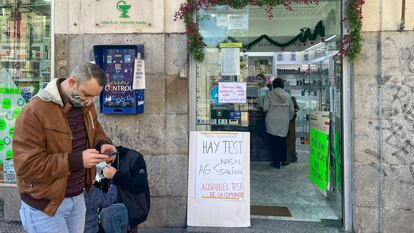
{"x": 118, "y": 62}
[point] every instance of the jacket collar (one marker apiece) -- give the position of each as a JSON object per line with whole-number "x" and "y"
{"x": 51, "y": 94}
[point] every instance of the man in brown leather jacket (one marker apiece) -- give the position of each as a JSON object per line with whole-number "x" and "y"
{"x": 57, "y": 143}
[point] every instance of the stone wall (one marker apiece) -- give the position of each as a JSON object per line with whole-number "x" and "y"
{"x": 161, "y": 133}
{"x": 383, "y": 163}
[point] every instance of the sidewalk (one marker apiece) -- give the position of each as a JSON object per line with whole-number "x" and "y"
{"x": 258, "y": 226}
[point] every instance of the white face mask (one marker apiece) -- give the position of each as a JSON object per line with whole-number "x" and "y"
{"x": 76, "y": 100}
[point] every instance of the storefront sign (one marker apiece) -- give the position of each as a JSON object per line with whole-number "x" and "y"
{"x": 230, "y": 61}
{"x": 137, "y": 13}
{"x": 219, "y": 179}
{"x": 232, "y": 92}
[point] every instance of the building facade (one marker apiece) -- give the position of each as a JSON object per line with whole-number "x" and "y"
{"x": 380, "y": 114}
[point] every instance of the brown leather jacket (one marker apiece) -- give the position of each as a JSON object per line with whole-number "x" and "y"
{"x": 42, "y": 145}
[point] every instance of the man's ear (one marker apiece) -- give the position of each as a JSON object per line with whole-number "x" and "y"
{"x": 73, "y": 83}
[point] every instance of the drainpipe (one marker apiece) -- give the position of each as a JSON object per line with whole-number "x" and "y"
{"x": 401, "y": 26}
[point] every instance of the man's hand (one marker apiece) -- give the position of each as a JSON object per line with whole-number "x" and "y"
{"x": 91, "y": 157}
{"x": 109, "y": 172}
{"x": 107, "y": 149}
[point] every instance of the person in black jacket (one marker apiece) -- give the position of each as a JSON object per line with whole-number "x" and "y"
{"x": 129, "y": 173}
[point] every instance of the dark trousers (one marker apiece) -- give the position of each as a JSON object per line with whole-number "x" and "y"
{"x": 278, "y": 148}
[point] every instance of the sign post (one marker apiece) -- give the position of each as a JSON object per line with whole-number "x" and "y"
{"x": 219, "y": 179}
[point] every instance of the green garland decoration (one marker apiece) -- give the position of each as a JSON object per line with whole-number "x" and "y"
{"x": 302, "y": 37}
{"x": 350, "y": 44}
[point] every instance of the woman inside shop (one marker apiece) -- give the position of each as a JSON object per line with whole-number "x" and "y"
{"x": 279, "y": 107}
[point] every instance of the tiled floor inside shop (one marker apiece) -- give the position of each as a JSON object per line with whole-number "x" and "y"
{"x": 289, "y": 187}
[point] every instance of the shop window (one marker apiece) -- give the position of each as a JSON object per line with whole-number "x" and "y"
{"x": 25, "y": 51}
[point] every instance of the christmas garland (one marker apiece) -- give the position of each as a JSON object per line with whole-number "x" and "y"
{"x": 302, "y": 37}
{"x": 350, "y": 44}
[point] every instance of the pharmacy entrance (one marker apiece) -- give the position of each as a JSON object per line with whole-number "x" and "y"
{"x": 246, "y": 51}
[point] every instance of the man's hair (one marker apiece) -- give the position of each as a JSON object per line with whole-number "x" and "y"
{"x": 87, "y": 71}
{"x": 278, "y": 82}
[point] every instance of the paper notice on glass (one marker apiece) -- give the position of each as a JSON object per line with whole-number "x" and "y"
{"x": 232, "y": 92}
{"x": 238, "y": 21}
{"x": 230, "y": 61}
{"x": 139, "y": 75}
{"x": 295, "y": 92}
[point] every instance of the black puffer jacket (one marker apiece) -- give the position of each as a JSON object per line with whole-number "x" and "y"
{"x": 132, "y": 181}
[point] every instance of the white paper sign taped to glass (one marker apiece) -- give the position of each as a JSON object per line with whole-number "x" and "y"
{"x": 230, "y": 61}
{"x": 232, "y": 92}
{"x": 219, "y": 179}
{"x": 139, "y": 75}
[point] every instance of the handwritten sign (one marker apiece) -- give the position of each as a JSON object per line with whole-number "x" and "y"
{"x": 230, "y": 61}
{"x": 219, "y": 179}
{"x": 220, "y": 166}
{"x": 232, "y": 92}
{"x": 318, "y": 158}
{"x": 319, "y": 144}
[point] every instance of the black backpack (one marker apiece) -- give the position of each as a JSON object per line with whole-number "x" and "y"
{"x": 138, "y": 204}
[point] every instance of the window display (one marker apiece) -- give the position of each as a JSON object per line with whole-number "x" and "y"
{"x": 25, "y": 51}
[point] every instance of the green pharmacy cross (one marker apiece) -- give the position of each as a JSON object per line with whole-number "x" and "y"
{"x": 124, "y": 8}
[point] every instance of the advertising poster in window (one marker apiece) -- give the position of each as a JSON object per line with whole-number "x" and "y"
{"x": 11, "y": 105}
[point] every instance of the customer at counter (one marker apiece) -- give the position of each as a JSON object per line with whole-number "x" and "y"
{"x": 279, "y": 107}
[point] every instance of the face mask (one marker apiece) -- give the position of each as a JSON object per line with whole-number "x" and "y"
{"x": 76, "y": 100}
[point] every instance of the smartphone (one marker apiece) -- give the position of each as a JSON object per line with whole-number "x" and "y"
{"x": 110, "y": 154}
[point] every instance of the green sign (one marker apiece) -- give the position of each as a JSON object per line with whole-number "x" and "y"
{"x": 11, "y": 131}
{"x": 319, "y": 158}
{"x": 123, "y": 7}
{"x": 3, "y": 124}
{"x": 9, "y": 154}
{"x": 16, "y": 112}
{"x": 9, "y": 91}
{"x": 1, "y": 145}
{"x": 6, "y": 103}
{"x": 231, "y": 45}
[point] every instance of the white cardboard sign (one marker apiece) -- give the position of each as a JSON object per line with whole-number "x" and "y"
{"x": 219, "y": 179}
